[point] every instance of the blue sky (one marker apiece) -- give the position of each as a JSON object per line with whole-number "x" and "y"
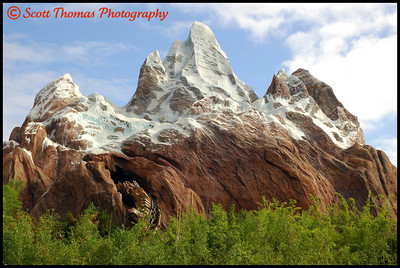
{"x": 351, "y": 47}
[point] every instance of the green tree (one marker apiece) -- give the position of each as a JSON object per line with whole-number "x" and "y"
{"x": 17, "y": 227}
{"x": 275, "y": 233}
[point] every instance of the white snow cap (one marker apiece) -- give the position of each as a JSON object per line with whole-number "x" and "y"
{"x": 154, "y": 59}
{"x": 201, "y": 34}
{"x": 282, "y": 74}
{"x": 204, "y": 65}
{"x": 194, "y": 71}
{"x": 61, "y": 88}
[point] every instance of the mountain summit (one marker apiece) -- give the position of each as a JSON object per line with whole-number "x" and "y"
{"x": 192, "y": 70}
{"x": 193, "y": 134}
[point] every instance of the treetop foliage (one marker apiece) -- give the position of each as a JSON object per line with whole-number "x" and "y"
{"x": 276, "y": 233}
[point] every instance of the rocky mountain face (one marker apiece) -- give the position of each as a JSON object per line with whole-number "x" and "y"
{"x": 193, "y": 134}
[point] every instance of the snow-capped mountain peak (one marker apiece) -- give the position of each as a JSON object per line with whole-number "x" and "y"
{"x": 193, "y": 133}
{"x": 201, "y": 45}
{"x": 55, "y": 96}
{"x": 193, "y": 84}
{"x": 193, "y": 69}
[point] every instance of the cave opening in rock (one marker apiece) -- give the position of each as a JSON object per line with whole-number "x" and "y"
{"x": 137, "y": 202}
{"x": 118, "y": 174}
{"x": 128, "y": 201}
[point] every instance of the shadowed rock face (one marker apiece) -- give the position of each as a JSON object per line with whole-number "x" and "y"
{"x": 152, "y": 73}
{"x": 323, "y": 95}
{"x": 224, "y": 145}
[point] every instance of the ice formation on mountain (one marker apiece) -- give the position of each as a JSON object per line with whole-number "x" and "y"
{"x": 192, "y": 133}
{"x": 194, "y": 70}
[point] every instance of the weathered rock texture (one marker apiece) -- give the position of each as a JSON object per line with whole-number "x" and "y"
{"x": 186, "y": 139}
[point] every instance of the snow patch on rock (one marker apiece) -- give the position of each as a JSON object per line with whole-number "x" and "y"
{"x": 194, "y": 84}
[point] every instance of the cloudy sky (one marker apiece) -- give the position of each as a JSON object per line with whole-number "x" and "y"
{"x": 351, "y": 47}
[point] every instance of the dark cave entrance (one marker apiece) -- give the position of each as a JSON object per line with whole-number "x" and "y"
{"x": 118, "y": 174}
{"x": 137, "y": 202}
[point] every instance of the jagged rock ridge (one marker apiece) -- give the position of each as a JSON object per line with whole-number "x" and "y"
{"x": 192, "y": 134}
{"x": 192, "y": 70}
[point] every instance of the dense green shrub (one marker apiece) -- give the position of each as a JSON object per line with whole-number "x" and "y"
{"x": 275, "y": 233}
{"x": 17, "y": 227}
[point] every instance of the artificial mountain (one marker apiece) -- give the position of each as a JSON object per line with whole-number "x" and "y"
{"x": 193, "y": 134}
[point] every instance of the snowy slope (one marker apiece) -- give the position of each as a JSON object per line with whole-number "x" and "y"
{"x": 194, "y": 69}
{"x": 205, "y": 65}
{"x": 194, "y": 81}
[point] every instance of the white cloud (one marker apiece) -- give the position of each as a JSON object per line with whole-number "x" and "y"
{"x": 91, "y": 52}
{"x": 363, "y": 79}
{"x": 29, "y": 65}
{"x": 260, "y": 19}
{"x": 351, "y": 47}
{"x": 15, "y": 52}
{"x": 19, "y": 91}
{"x": 263, "y": 20}
{"x": 118, "y": 89}
{"x": 18, "y": 49}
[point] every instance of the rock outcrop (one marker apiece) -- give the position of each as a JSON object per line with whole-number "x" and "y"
{"x": 193, "y": 134}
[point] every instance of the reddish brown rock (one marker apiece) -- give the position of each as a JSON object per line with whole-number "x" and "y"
{"x": 19, "y": 164}
{"x": 78, "y": 186}
{"x": 323, "y": 95}
{"x": 278, "y": 87}
{"x": 237, "y": 164}
{"x": 207, "y": 148}
{"x": 152, "y": 73}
